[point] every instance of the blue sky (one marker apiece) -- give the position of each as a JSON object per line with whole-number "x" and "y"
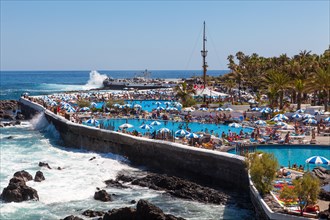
{"x": 158, "y": 35}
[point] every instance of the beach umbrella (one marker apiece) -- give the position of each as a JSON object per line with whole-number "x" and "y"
{"x": 300, "y": 111}
{"x": 137, "y": 106}
{"x": 318, "y": 160}
{"x": 252, "y": 101}
{"x": 92, "y": 122}
{"x": 84, "y": 109}
{"x": 116, "y": 105}
{"x": 202, "y": 109}
{"x": 280, "y": 123}
{"x": 235, "y": 125}
{"x": 306, "y": 116}
{"x": 276, "y": 119}
{"x": 66, "y": 106}
{"x": 192, "y": 135}
{"x": 93, "y": 105}
{"x": 219, "y": 109}
{"x": 178, "y": 105}
{"x": 296, "y": 116}
{"x": 70, "y": 110}
{"x": 319, "y": 113}
{"x": 164, "y": 130}
{"x": 188, "y": 109}
{"x": 276, "y": 110}
{"x": 229, "y": 109}
{"x": 255, "y": 109}
{"x": 181, "y": 132}
{"x": 53, "y": 103}
{"x": 310, "y": 121}
{"x": 174, "y": 109}
{"x": 158, "y": 103}
{"x": 281, "y": 116}
{"x": 155, "y": 123}
{"x": 128, "y": 105}
{"x": 260, "y": 122}
{"x": 287, "y": 127}
{"x": 167, "y": 103}
{"x": 327, "y": 119}
{"x": 160, "y": 108}
{"x": 264, "y": 110}
{"x": 146, "y": 127}
{"x": 126, "y": 125}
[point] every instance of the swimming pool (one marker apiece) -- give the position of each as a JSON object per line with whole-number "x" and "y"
{"x": 298, "y": 154}
{"x": 172, "y": 125}
{"x": 148, "y": 105}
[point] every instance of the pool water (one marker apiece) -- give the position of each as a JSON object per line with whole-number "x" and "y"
{"x": 148, "y": 105}
{"x": 298, "y": 154}
{"x": 172, "y": 125}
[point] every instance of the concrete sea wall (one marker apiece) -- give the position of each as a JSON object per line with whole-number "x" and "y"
{"x": 204, "y": 166}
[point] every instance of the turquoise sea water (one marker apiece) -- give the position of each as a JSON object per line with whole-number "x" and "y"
{"x": 70, "y": 190}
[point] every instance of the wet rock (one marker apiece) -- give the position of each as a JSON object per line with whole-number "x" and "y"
{"x": 71, "y": 217}
{"x": 144, "y": 211}
{"x": 18, "y": 191}
{"x": 91, "y": 213}
{"x": 125, "y": 178}
{"x": 126, "y": 213}
{"x": 42, "y": 164}
{"x": 23, "y": 175}
{"x": 93, "y": 158}
{"x": 115, "y": 184}
{"x": 39, "y": 176}
{"x": 102, "y": 195}
{"x": 180, "y": 188}
{"x": 133, "y": 201}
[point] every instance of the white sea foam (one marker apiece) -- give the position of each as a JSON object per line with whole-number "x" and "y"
{"x": 95, "y": 80}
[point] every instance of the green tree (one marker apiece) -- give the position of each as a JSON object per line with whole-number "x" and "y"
{"x": 305, "y": 190}
{"x": 184, "y": 92}
{"x": 83, "y": 103}
{"x": 321, "y": 80}
{"x": 262, "y": 170}
{"x": 279, "y": 80}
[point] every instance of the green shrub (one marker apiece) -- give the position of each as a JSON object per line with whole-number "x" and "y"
{"x": 262, "y": 170}
{"x": 306, "y": 191}
{"x": 83, "y": 103}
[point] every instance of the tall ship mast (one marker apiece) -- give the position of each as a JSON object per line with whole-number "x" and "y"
{"x": 204, "y": 54}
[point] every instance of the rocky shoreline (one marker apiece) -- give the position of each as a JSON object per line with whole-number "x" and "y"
{"x": 10, "y": 114}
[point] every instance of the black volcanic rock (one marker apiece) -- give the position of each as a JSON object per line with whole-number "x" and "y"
{"x": 179, "y": 188}
{"x": 39, "y": 176}
{"x": 18, "y": 191}
{"x": 115, "y": 184}
{"x": 126, "y": 213}
{"x": 102, "y": 195}
{"x": 42, "y": 164}
{"x": 23, "y": 175}
{"x": 71, "y": 217}
{"x": 143, "y": 211}
{"x": 91, "y": 213}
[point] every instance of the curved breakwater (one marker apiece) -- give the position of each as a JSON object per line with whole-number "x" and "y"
{"x": 204, "y": 166}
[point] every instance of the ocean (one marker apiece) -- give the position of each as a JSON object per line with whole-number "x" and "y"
{"x": 70, "y": 190}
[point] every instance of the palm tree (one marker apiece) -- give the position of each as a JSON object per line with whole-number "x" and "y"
{"x": 321, "y": 80}
{"x": 299, "y": 86}
{"x": 279, "y": 80}
{"x": 184, "y": 92}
